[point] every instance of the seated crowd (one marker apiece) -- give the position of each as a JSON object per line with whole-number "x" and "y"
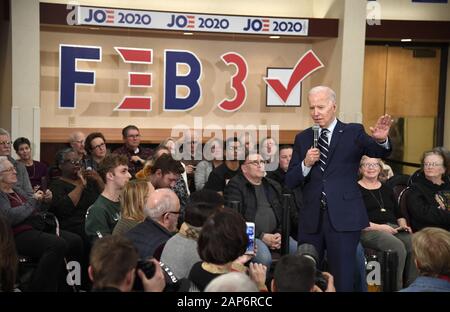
{"x": 138, "y": 219}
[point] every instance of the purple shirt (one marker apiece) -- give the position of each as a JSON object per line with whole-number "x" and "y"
{"x": 36, "y": 172}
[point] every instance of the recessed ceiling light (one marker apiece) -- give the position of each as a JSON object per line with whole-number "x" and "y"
{"x": 274, "y": 37}
{"x": 406, "y": 40}
{"x": 188, "y": 33}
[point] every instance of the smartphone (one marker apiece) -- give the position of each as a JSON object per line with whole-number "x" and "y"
{"x": 44, "y": 182}
{"x": 251, "y": 238}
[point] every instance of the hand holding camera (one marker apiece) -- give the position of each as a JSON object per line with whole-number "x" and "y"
{"x": 151, "y": 275}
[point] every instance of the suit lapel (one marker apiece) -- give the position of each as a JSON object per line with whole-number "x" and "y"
{"x": 335, "y": 138}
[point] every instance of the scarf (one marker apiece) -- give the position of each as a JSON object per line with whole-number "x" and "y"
{"x": 189, "y": 231}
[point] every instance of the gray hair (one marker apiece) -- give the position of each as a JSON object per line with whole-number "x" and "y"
{"x": 162, "y": 201}
{"x": 60, "y": 156}
{"x": 2, "y": 161}
{"x": 4, "y": 132}
{"x": 232, "y": 282}
{"x": 323, "y": 89}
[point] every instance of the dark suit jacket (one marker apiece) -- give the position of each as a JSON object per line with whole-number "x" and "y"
{"x": 346, "y": 209}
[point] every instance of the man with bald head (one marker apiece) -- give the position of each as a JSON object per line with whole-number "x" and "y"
{"x": 326, "y": 166}
{"x": 161, "y": 217}
{"x": 76, "y": 141}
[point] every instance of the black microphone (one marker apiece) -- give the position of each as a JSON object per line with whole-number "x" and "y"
{"x": 315, "y": 130}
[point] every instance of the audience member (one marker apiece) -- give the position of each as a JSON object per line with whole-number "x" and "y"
{"x": 22, "y": 212}
{"x": 191, "y": 155}
{"x": 132, "y": 202}
{"x": 220, "y": 176}
{"x": 170, "y": 145}
{"x": 113, "y": 264}
{"x": 388, "y": 229}
{"x": 161, "y": 216}
{"x": 96, "y": 150}
{"x": 296, "y": 273}
{"x": 76, "y": 141}
{"x": 74, "y": 192}
{"x": 180, "y": 252}
{"x": 428, "y": 201}
{"x": 260, "y": 202}
{"x": 23, "y": 181}
{"x": 221, "y": 246}
{"x": 37, "y": 171}
{"x": 136, "y": 154}
{"x": 102, "y": 216}
{"x": 8, "y": 257}
{"x": 232, "y": 282}
{"x": 213, "y": 158}
{"x": 431, "y": 248}
{"x": 283, "y": 165}
{"x": 269, "y": 152}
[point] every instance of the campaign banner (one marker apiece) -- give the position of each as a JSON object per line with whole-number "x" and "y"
{"x": 188, "y": 22}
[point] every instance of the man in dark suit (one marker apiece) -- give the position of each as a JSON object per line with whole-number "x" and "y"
{"x": 333, "y": 213}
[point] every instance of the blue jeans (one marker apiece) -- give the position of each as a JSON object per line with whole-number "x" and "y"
{"x": 263, "y": 254}
{"x": 360, "y": 270}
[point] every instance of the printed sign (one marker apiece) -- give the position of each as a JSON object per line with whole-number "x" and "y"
{"x": 189, "y": 22}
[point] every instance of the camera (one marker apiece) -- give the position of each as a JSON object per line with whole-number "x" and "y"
{"x": 309, "y": 251}
{"x": 173, "y": 284}
{"x": 147, "y": 267}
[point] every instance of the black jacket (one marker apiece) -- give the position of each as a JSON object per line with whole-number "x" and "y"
{"x": 422, "y": 206}
{"x": 147, "y": 237}
{"x": 240, "y": 189}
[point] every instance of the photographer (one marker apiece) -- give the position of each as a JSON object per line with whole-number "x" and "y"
{"x": 113, "y": 264}
{"x": 297, "y": 273}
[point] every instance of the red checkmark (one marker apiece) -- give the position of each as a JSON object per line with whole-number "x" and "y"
{"x": 305, "y": 66}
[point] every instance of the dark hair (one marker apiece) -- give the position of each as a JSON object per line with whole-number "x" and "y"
{"x": 8, "y": 258}
{"x": 201, "y": 205}
{"x": 90, "y": 138}
{"x": 294, "y": 273}
{"x": 109, "y": 163}
{"x": 223, "y": 237}
{"x": 167, "y": 165}
{"x": 112, "y": 257}
{"x": 285, "y": 146}
{"x": 20, "y": 141}
{"x": 128, "y": 128}
{"x": 440, "y": 151}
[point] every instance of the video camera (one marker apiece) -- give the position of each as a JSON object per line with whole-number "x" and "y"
{"x": 309, "y": 251}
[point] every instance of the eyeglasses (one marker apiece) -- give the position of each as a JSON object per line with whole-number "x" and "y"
{"x": 78, "y": 141}
{"x": 257, "y": 162}
{"x": 73, "y": 162}
{"x": 370, "y": 165}
{"x": 9, "y": 170}
{"x": 432, "y": 164}
{"x": 174, "y": 212}
{"x": 231, "y": 147}
{"x": 5, "y": 143}
{"x": 98, "y": 146}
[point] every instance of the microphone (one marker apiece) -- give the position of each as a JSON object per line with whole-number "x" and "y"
{"x": 315, "y": 129}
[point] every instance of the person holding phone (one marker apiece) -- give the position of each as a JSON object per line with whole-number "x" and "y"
{"x": 388, "y": 229}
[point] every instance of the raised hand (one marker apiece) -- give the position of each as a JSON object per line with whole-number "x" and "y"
{"x": 380, "y": 131}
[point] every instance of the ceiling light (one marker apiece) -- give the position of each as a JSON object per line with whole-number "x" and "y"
{"x": 406, "y": 40}
{"x": 274, "y": 37}
{"x": 188, "y": 33}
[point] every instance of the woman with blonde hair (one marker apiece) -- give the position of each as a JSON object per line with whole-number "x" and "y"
{"x": 132, "y": 202}
{"x": 387, "y": 228}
